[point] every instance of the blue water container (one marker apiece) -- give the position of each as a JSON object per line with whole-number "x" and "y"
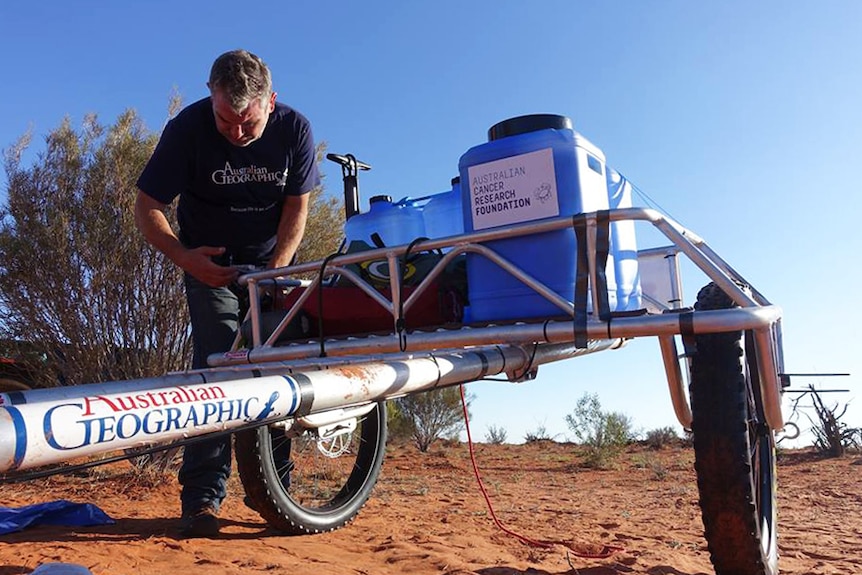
{"x": 533, "y": 168}
{"x": 391, "y": 223}
{"x": 443, "y": 213}
{"x": 384, "y": 224}
{"x": 624, "y": 248}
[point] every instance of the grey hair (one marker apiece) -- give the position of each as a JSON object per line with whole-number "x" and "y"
{"x": 242, "y": 77}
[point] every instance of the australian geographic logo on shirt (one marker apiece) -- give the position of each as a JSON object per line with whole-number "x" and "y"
{"x": 251, "y": 174}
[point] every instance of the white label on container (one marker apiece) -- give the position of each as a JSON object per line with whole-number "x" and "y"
{"x": 513, "y": 190}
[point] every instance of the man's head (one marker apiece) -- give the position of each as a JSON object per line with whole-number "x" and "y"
{"x": 241, "y": 88}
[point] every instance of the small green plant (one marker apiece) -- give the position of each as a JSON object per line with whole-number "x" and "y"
{"x": 604, "y": 434}
{"x": 495, "y": 435}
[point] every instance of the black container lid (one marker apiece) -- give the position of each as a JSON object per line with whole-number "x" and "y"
{"x": 525, "y": 124}
{"x": 383, "y": 198}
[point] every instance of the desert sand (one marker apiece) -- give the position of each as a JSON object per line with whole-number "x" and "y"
{"x": 427, "y": 515}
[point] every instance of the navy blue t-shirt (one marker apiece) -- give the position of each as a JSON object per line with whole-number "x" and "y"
{"x": 231, "y": 196}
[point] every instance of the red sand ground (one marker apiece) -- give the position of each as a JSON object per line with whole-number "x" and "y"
{"x": 427, "y": 515}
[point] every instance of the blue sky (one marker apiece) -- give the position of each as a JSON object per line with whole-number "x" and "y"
{"x": 741, "y": 119}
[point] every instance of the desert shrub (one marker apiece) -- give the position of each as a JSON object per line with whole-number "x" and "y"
{"x": 603, "y": 434}
{"x": 432, "y": 415}
{"x": 661, "y": 437}
{"x": 78, "y": 283}
{"x": 538, "y": 434}
{"x": 400, "y": 427}
{"x": 496, "y": 435}
{"x": 154, "y": 468}
{"x": 687, "y": 439}
{"x": 831, "y": 435}
{"x": 650, "y": 462}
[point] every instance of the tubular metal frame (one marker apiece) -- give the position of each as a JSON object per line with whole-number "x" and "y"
{"x": 267, "y": 383}
{"x": 754, "y": 313}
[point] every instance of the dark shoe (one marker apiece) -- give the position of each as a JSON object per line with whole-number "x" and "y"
{"x": 200, "y": 523}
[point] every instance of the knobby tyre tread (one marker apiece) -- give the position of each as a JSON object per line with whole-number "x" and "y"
{"x": 734, "y": 450}
{"x": 280, "y": 502}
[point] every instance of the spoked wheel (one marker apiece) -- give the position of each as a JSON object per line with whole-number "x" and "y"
{"x": 315, "y": 482}
{"x": 734, "y": 450}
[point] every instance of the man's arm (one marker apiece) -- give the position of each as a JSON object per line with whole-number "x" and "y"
{"x": 152, "y": 223}
{"x": 291, "y": 227}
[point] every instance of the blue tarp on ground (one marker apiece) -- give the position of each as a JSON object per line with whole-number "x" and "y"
{"x": 60, "y": 512}
{"x": 61, "y": 569}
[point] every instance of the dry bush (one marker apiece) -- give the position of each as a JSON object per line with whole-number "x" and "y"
{"x": 78, "y": 283}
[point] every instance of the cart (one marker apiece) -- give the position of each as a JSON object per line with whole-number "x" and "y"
{"x": 309, "y": 416}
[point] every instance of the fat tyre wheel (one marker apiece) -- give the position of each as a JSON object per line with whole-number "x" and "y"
{"x": 299, "y": 489}
{"x": 734, "y": 450}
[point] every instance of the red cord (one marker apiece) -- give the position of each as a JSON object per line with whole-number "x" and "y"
{"x": 607, "y": 550}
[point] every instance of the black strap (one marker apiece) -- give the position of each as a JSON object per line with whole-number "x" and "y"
{"x": 582, "y": 281}
{"x": 378, "y": 241}
{"x": 320, "y": 334}
{"x": 603, "y": 235}
{"x": 400, "y": 326}
{"x": 686, "y": 330}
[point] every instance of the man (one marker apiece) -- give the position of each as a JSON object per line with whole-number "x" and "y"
{"x": 242, "y": 165}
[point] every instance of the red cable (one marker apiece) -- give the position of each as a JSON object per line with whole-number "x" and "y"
{"x": 607, "y": 550}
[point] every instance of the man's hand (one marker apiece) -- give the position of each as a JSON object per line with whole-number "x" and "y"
{"x": 198, "y": 264}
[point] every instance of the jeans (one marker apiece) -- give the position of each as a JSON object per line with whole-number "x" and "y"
{"x": 206, "y": 465}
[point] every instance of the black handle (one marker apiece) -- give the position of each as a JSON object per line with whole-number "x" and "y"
{"x": 350, "y": 167}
